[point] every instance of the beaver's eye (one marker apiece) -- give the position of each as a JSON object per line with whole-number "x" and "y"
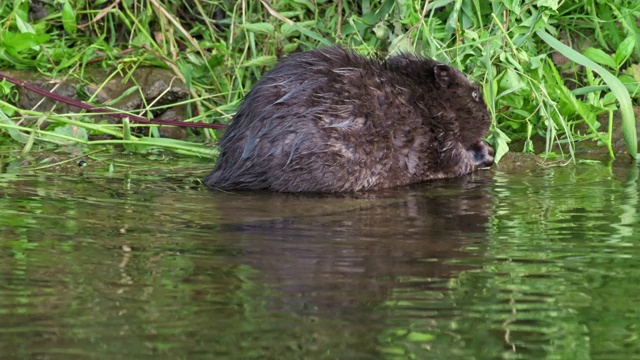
{"x": 476, "y": 95}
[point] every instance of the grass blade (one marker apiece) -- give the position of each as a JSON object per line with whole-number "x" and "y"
{"x": 629, "y": 131}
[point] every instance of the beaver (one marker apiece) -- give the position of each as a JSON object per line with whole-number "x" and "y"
{"x": 330, "y": 120}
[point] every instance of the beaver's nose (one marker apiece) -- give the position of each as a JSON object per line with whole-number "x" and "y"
{"x": 482, "y": 154}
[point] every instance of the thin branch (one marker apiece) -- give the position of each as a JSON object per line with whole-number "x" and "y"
{"x": 91, "y": 108}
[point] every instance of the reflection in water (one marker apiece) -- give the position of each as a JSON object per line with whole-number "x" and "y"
{"x": 332, "y": 255}
{"x": 541, "y": 264}
{"x": 628, "y": 206}
{"x": 562, "y": 247}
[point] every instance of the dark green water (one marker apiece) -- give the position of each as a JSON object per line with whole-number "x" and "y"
{"x": 147, "y": 265}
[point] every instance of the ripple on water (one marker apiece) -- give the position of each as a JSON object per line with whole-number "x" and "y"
{"x": 494, "y": 265}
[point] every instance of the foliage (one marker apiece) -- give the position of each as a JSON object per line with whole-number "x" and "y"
{"x": 219, "y": 48}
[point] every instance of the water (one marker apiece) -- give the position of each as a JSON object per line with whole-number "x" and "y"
{"x": 145, "y": 264}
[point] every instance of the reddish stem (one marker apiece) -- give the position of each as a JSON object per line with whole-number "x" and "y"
{"x": 94, "y": 109}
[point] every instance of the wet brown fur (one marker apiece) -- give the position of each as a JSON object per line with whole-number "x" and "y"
{"x": 330, "y": 120}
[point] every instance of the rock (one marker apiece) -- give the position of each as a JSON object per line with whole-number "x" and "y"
{"x": 518, "y": 162}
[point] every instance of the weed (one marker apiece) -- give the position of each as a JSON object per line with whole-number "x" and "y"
{"x": 219, "y": 49}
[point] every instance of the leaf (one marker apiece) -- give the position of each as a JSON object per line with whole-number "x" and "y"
{"x": 20, "y": 42}
{"x": 552, "y": 4}
{"x": 600, "y": 57}
{"x": 28, "y": 145}
{"x": 511, "y": 81}
{"x": 500, "y": 142}
{"x": 289, "y": 48}
{"x": 375, "y": 15}
{"x": 633, "y": 86}
{"x": 629, "y": 131}
{"x": 126, "y": 135}
{"x": 266, "y": 60}
{"x": 69, "y": 18}
{"x": 567, "y": 102}
{"x": 566, "y": 98}
{"x": 512, "y": 5}
{"x": 260, "y": 28}
{"x": 452, "y": 20}
{"x": 7, "y": 90}
{"x": 288, "y": 30}
{"x": 624, "y": 50}
{"x": 216, "y": 60}
{"x": 309, "y": 4}
{"x": 12, "y": 128}
{"x": 314, "y": 35}
{"x": 381, "y": 30}
{"x": 73, "y": 132}
{"x": 24, "y": 26}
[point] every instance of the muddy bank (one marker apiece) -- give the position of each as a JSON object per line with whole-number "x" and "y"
{"x": 149, "y": 87}
{"x": 585, "y": 151}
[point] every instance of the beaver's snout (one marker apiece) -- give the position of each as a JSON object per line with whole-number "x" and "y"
{"x": 482, "y": 154}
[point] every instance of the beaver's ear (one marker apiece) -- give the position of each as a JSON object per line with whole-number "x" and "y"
{"x": 443, "y": 74}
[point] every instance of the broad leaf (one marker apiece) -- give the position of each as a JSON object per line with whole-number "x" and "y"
{"x": 600, "y": 57}
{"x": 624, "y": 50}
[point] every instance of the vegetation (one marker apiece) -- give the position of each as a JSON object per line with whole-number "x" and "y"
{"x": 548, "y": 67}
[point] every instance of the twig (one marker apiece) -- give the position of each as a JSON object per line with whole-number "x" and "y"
{"x": 111, "y": 113}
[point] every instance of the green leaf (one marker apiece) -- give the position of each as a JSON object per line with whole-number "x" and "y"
{"x": 374, "y": 16}
{"x": 624, "y": 50}
{"x": 260, "y": 28}
{"x": 500, "y": 142}
{"x": 452, "y": 20}
{"x": 7, "y": 90}
{"x": 600, "y": 57}
{"x": 28, "y": 145}
{"x": 513, "y": 5}
{"x": 309, "y": 4}
{"x": 567, "y": 102}
{"x": 626, "y": 108}
{"x": 15, "y": 43}
{"x": 12, "y": 128}
{"x": 24, "y": 26}
{"x": 633, "y": 86}
{"x": 215, "y": 60}
{"x": 314, "y": 35}
{"x": 381, "y": 30}
{"x": 69, "y": 18}
{"x": 511, "y": 81}
{"x": 126, "y": 135}
{"x": 552, "y": 4}
{"x": 73, "y": 132}
{"x": 289, "y": 30}
{"x": 266, "y": 60}
{"x": 289, "y": 48}
{"x": 21, "y": 9}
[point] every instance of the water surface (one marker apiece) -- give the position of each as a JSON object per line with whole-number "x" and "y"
{"x": 145, "y": 263}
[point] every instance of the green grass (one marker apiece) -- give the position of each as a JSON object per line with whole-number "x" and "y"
{"x": 219, "y": 49}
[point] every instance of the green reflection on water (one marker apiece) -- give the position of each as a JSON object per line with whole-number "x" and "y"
{"x": 145, "y": 263}
{"x": 558, "y": 278}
